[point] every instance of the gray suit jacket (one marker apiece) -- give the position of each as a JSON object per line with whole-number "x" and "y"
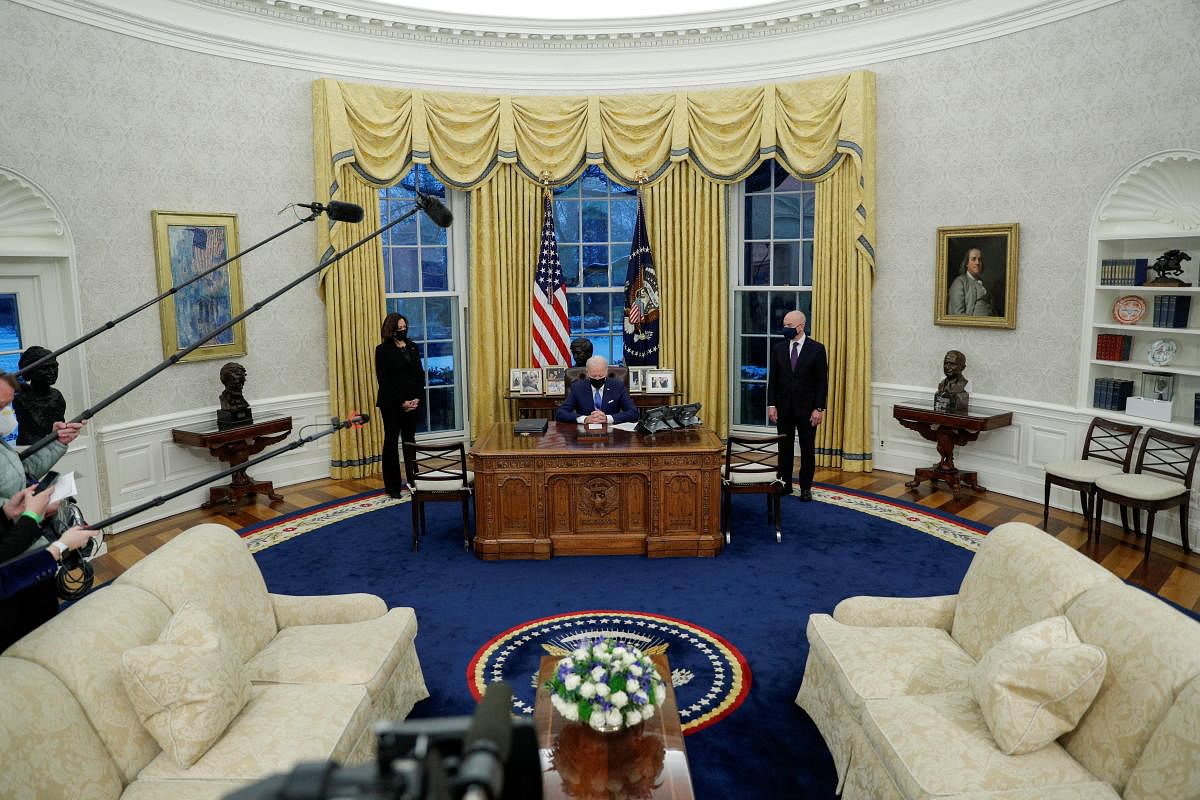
{"x": 969, "y": 296}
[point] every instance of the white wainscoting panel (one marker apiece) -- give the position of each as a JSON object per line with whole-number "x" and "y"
{"x": 142, "y": 462}
{"x": 1009, "y": 460}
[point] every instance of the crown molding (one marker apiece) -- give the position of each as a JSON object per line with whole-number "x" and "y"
{"x": 360, "y": 39}
{"x": 1160, "y": 195}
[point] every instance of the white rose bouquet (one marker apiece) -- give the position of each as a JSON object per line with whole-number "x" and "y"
{"x": 606, "y": 685}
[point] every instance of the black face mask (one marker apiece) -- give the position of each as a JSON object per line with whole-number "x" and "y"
{"x": 400, "y": 335}
{"x": 790, "y": 333}
{"x": 596, "y": 382}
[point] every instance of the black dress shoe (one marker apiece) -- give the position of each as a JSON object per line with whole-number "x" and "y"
{"x": 805, "y": 496}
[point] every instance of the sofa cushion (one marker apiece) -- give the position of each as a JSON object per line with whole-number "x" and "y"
{"x": 1035, "y": 684}
{"x": 209, "y": 564}
{"x": 351, "y": 653}
{"x": 1170, "y": 763}
{"x": 280, "y": 726}
{"x": 884, "y": 662}
{"x": 1019, "y": 576}
{"x": 1153, "y": 652}
{"x": 938, "y": 744}
{"x": 50, "y": 750}
{"x": 187, "y": 686}
{"x": 182, "y": 790}
{"x": 82, "y": 646}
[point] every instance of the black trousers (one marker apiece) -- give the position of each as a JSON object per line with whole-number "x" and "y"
{"x": 790, "y": 426}
{"x": 398, "y": 425}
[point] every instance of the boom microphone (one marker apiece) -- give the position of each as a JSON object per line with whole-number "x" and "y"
{"x": 486, "y": 745}
{"x": 435, "y": 210}
{"x": 337, "y": 210}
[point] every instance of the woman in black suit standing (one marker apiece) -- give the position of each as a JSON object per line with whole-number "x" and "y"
{"x": 401, "y": 388}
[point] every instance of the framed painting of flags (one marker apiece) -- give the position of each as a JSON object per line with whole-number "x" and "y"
{"x": 186, "y": 246}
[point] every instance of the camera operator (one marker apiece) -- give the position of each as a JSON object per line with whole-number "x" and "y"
{"x": 28, "y": 592}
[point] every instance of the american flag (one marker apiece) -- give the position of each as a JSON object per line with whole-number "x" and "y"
{"x": 550, "y": 331}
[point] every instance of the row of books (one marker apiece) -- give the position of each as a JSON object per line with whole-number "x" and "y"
{"x": 1112, "y": 393}
{"x": 1113, "y": 347}
{"x": 1123, "y": 271}
{"x": 1171, "y": 310}
{"x": 1196, "y": 410}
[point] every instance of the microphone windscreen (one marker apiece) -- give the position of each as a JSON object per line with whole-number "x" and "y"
{"x": 344, "y": 212}
{"x": 363, "y": 418}
{"x": 435, "y": 210}
{"x": 492, "y": 721}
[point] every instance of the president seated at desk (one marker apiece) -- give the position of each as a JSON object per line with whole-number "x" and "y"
{"x": 597, "y": 399}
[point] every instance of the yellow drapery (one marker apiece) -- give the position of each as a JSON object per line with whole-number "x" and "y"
{"x": 842, "y": 307}
{"x": 685, "y": 217}
{"x": 503, "y": 253}
{"x": 810, "y": 127}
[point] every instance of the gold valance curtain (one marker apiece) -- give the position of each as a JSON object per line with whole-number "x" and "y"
{"x": 374, "y": 134}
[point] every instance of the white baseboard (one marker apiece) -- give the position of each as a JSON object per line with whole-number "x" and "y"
{"x": 1009, "y": 460}
{"x": 141, "y": 462}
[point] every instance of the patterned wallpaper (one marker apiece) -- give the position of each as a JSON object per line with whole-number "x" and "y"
{"x": 1027, "y": 128}
{"x": 113, "y": 127}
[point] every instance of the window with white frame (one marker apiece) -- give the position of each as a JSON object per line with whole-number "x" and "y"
{"x": 773, "y": 276}
{"x": 594, "y": 219}
{"x": 421, "y": 282}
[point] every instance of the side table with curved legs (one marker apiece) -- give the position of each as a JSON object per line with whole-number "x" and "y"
{"x": 948, "y": 430}
{"x": 235, "y": 446}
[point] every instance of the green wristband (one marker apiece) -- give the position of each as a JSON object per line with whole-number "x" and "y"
{"x": 33, "y": 515}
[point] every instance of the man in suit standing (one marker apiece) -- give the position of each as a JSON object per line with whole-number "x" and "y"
{"x": 797, "y": 382}
{"x": 599, "y": 398}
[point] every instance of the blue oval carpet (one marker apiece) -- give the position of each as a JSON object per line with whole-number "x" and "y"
{"x": 732, "y": 626}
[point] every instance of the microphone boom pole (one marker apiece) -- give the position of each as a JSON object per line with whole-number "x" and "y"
{"x": 167, "y": 362}
{"x": 114, "y": 322}
{"x": 158, "y": 501}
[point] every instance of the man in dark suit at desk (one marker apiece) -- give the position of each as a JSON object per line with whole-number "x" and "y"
{"x": 598, "y": 398}
{"x": 797, "y": 382}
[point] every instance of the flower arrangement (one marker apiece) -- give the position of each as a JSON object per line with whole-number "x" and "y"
{"x": 606, "y": 685}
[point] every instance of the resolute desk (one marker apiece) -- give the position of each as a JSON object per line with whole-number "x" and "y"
{"x": 621, "y": 494}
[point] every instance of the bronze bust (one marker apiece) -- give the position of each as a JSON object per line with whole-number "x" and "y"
{"x": 952, "y": 391}
{"x": 38, "y": 405}
{"x": 235, "y": 410}
{"x": 581, "y": 351}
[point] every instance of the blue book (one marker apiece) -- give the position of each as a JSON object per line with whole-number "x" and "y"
{"x": 1181, "y": 306}
{"x": 1139, "y": 271}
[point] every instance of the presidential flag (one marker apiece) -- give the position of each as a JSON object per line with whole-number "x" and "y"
{"x": 641, "y": 299}
{"x": 551, "y": 333}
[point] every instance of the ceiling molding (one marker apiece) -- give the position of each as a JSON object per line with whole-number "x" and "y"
{"x": 369, "y": 40}
{"x": 1159, "y": 195}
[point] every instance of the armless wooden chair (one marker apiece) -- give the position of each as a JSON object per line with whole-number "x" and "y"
{"x": 1107, "y": 450}
{"x": 1168, "y": 454}
{"x": 752, "y": 467}
{"x": 438, "y": 473}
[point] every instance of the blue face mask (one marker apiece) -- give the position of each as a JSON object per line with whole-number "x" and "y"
{"x": 790, "y": 333}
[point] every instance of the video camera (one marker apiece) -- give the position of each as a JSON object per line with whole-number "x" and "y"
{"x": 488, "y": 756}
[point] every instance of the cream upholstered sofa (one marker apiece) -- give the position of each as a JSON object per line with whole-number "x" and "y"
{"x": 886, "y": 682}
{"x": 321, "y": 670}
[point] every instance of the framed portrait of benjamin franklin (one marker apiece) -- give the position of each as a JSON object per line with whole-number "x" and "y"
{"x": 976, "y": 282}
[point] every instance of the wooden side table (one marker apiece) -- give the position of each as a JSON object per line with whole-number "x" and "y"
{"x": 948, "y": 430}
{"x": 235, "y": 446}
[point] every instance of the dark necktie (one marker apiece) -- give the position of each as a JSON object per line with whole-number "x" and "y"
{"x": 598, "y": 400}
{"x": 795, "y": 354}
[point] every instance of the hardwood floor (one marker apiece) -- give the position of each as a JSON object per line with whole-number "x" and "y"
{"x": 1170, "y": 573}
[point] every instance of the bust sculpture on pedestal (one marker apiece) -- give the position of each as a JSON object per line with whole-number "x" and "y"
{"x": 234, "y": 410}
{"x": 38, "y": 405}
{"x": 952, "y": 391}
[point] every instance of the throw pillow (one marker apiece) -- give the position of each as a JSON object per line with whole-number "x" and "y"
{"x": 188, "y": 686}
{"x": 1036, "y": 684}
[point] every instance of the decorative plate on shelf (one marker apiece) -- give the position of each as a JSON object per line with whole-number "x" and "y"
{"x": 1162, "y": 352}
{"x": 1129, "y": 310}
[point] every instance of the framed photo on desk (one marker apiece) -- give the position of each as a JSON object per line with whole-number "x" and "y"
{"x": 659, "y": 381}
{"x": 637, "y": 380}
{"x": 531, "y": 381}
{"x": 556, "y": 380}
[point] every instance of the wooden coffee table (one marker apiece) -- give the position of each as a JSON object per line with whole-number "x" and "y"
{"x": 575, "y": 757}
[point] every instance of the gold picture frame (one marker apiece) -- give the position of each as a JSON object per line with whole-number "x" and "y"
{"x": 186, "y": 244}
{"x": 983, "y": 299}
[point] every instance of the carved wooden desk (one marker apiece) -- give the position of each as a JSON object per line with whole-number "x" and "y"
{"x": 235, "y": 446}
{"x": 948, "y": 430}
{"x": 574, "y": 759}
{"x": 621, "y": 494}
{"x": 545, "y": 405}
